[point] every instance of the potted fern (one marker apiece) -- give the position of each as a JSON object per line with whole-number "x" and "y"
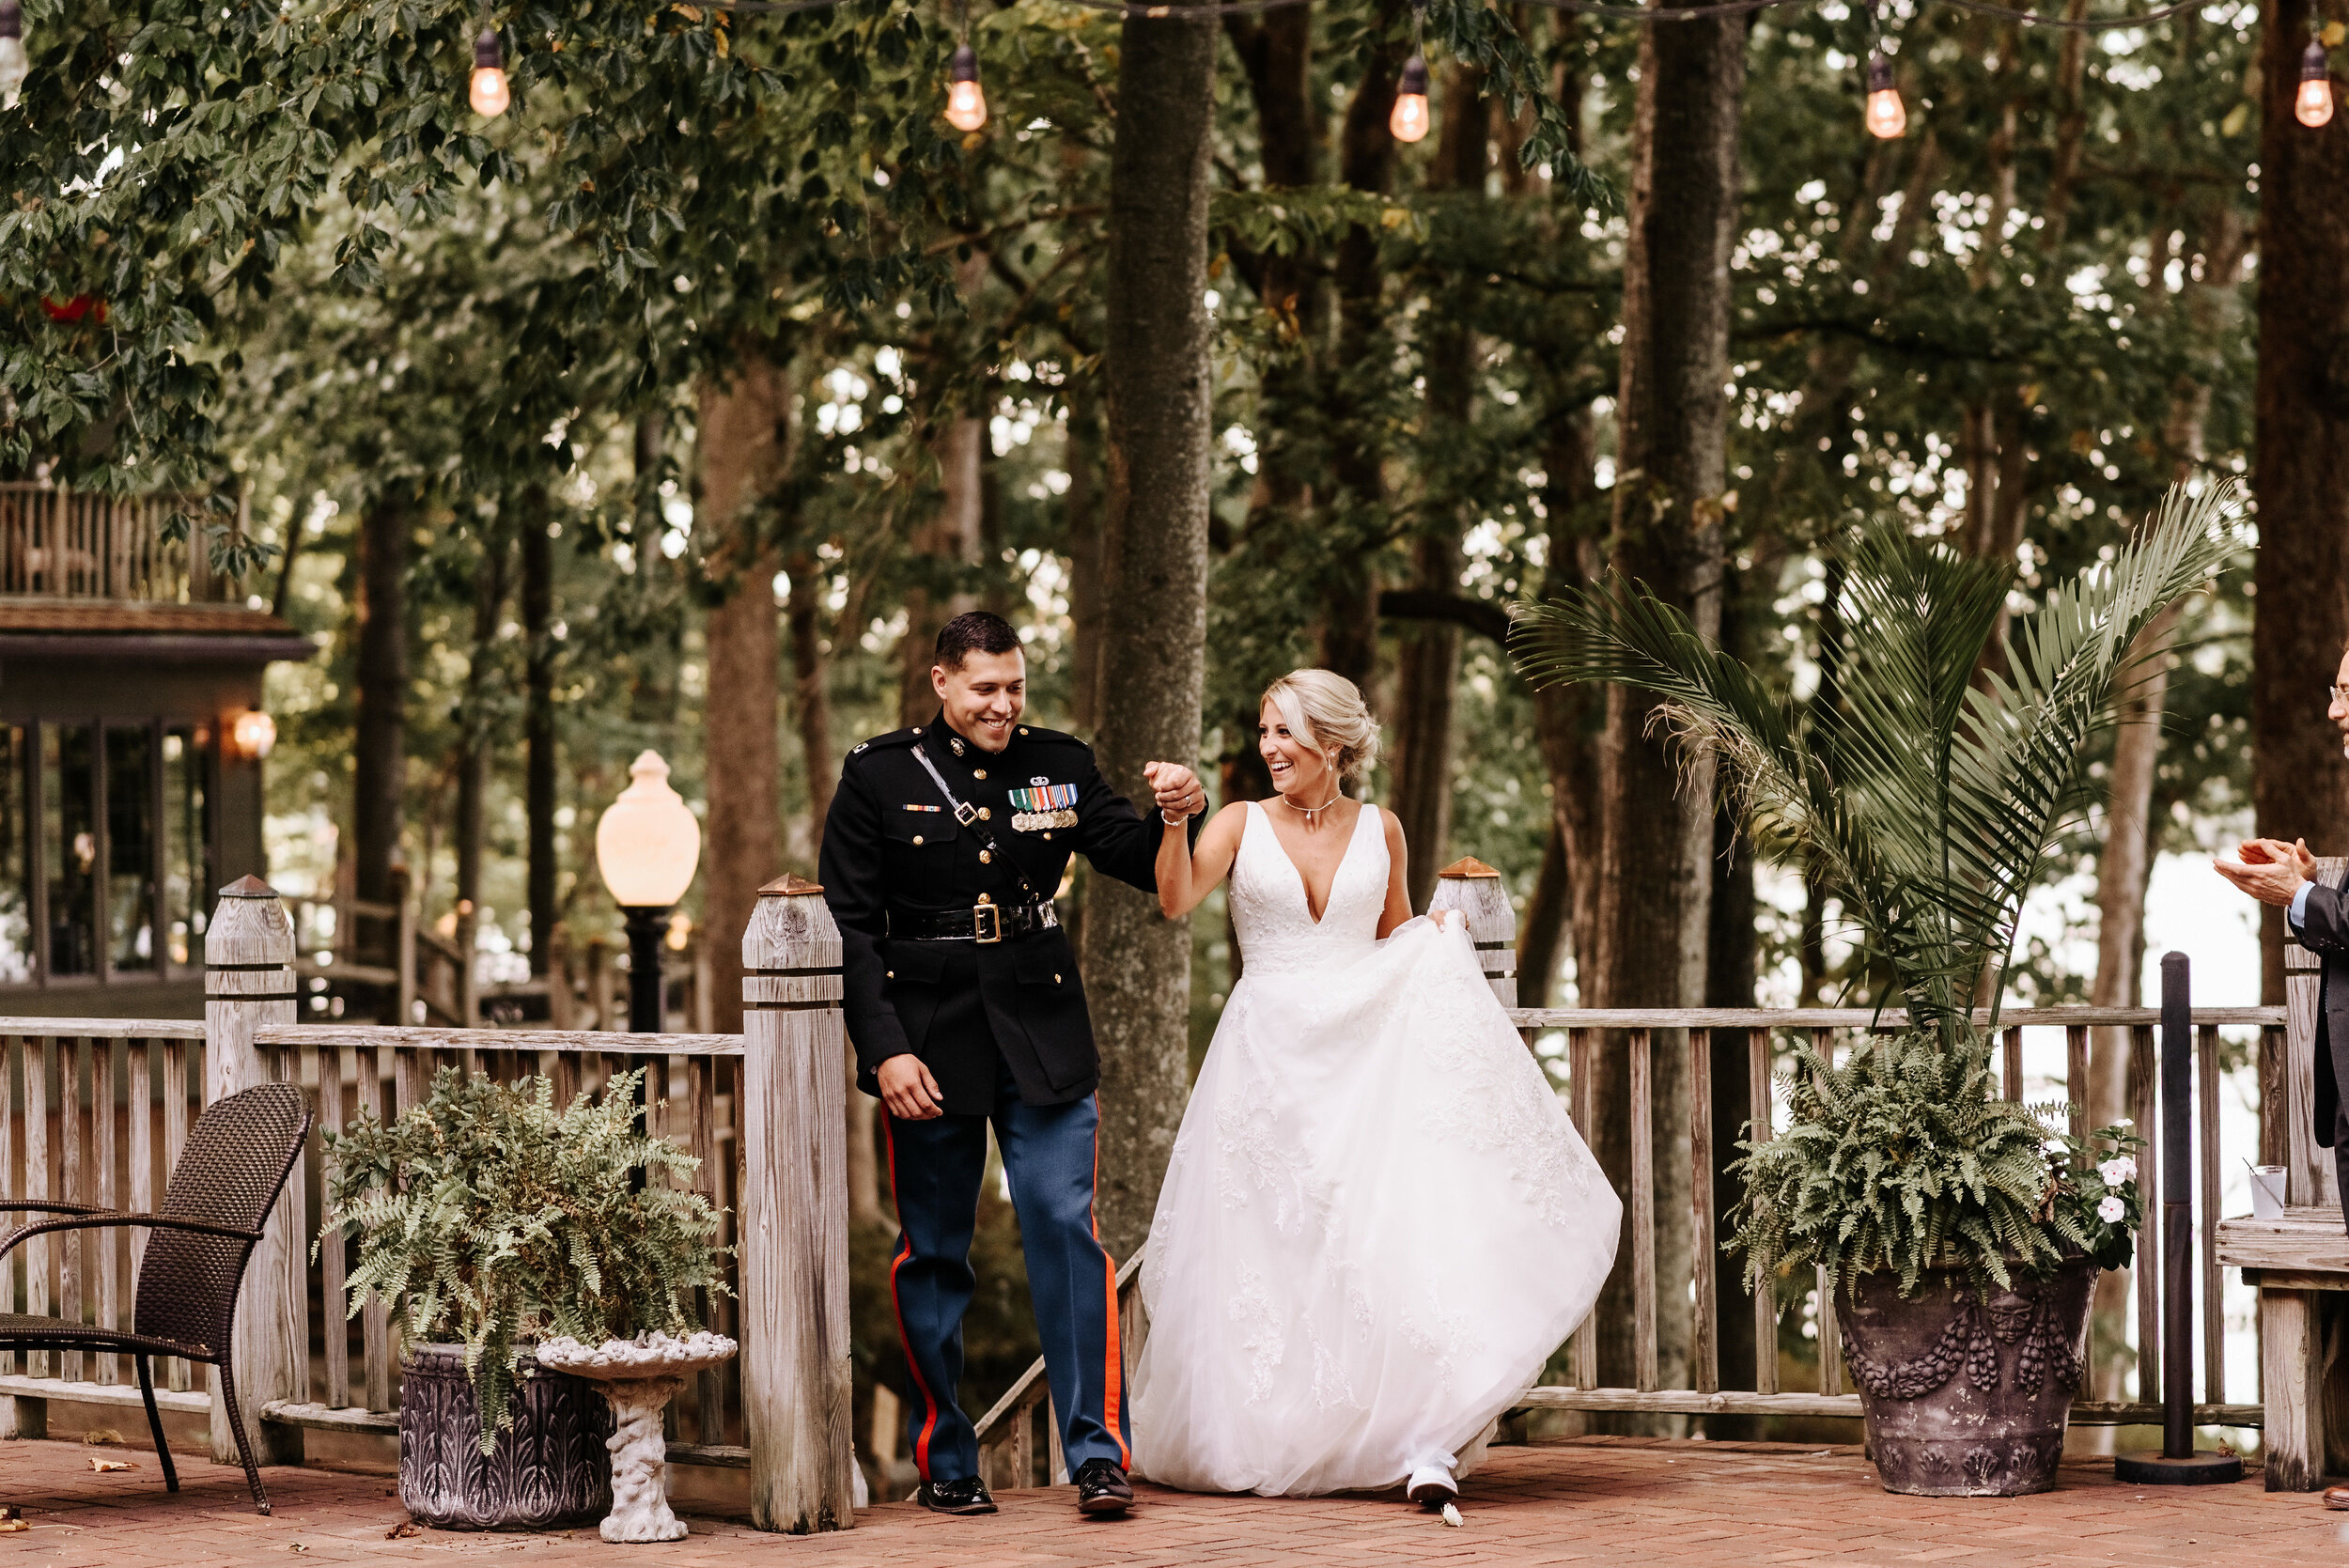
{"x": 494, "y": 1221}
{"x": 1960, "y": 1233}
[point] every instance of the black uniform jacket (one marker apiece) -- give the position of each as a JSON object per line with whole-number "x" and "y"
{"x": 2325, "y": 931}
{"x": 891, "y": 843}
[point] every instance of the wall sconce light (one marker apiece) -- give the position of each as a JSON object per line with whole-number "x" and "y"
{"x": 252, "y": 733}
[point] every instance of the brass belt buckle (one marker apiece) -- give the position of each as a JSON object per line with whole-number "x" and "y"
{"x": 986, "y": 922}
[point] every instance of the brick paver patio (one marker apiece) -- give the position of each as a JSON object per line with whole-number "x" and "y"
{"x": 1591, "y": 1500}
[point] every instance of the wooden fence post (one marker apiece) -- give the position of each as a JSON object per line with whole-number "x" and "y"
{"x": 794, "y": 1252}
{"x": 249, "y": 984}
{"x": 1475, "y": 889}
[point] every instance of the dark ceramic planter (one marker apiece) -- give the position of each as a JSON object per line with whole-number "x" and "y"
{"x": 549, "y": 1468}
{"x": 1966, "y": 1399}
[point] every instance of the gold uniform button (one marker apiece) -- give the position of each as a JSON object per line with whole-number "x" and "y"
{"x": 917, "y": 840}
{"x": 978, "y": 772}
{"x": 1047, "y": 835}
{"x": 984, "y": 815}
{"x": 985, "y": 855}
{"x": 892, "y": 974}
{"x": 1056, "y": 980}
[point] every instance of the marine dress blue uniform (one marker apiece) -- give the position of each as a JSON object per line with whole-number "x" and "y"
{"x": 951, "y": 950}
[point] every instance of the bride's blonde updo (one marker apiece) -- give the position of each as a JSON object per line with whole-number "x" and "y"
{"x": 1327, "y": 711}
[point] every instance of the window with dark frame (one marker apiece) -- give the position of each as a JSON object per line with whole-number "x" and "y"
{"x": 106, "y": 848}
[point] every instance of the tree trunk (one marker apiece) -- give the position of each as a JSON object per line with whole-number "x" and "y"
{"x": 652, "y": 691}
{"x": 2121, "y": 871}
{"x": 1083, "y": 539}
{"x": 743, "y": 446}
{"x": 1427, "y": 660}
{"x": 2300, "y": 787}
{"x": 538, "y": 782}
{"x": 810, "y": 686}
{"x": 476, "y": 748}
{"x": 380, "y": 738}
{"x": 1543, "y": 936}
{"x": 1156, "y": 371}
{"x": 1347, "y": 639}
{"x": 1653, "y": 884}
{"x": 947, "y": 548}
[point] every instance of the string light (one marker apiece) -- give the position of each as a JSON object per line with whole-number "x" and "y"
{"x": 490, "y": 95}
{"x": 1888, "y": 116}
{"x": 966, "y": 105}
{"x": 1409, "y": 123}
{"x": 2314, "y": 106}
{"x": 13, "y": 65}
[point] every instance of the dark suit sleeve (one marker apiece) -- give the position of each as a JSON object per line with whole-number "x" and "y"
{"x": 850, "y": 870}
{"x": 1119, "y": 840}
{"x": 2325, "y": 922}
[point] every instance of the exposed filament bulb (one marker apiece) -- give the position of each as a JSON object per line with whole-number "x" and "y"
{"x": 966, "y": 105}
{"x": 2314, "y": 105}
{"x": 1888, "y": 117}
{"x": 1408, "y": 122}
{"x": 490, "y": 97}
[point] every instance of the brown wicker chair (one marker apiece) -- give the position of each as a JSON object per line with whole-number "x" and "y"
{"x": 236, "y": 1162}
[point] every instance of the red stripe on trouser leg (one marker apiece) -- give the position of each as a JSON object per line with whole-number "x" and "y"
{"x": 913, "y": 1368}
{"x": 1112, "y": 1361}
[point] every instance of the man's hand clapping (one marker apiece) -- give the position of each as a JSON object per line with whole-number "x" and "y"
{"x": 2270, "y": 870}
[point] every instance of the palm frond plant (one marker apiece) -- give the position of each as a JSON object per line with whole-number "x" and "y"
{"x": 489, "y": 1212}
{"x": 1931, "y": 798}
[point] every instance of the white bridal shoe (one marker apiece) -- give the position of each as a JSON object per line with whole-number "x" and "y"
{"x": 1432, "y": 1487}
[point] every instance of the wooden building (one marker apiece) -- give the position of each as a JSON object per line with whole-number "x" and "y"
{"x": 131, "y": 738}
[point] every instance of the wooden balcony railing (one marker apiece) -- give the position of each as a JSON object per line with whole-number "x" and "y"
{"x": 63, "y": 544}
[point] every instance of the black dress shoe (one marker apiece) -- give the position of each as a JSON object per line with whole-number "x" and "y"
{"x": 1102, "y": 1487}
{"x": 966, "y": 1496}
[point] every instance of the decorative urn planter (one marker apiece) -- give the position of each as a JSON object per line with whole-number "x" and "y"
{"x": 1966, "y": 1399}
{"x": 639, "y": 1377}
{"x": 549, "y": 1467}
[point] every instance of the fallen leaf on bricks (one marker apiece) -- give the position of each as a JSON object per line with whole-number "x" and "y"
{"x": 103, "y": 1466}
{"x": 11, "y": 1518}
{"x": 402, "y": 1530}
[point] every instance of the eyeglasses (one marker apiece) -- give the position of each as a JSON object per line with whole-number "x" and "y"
{"x": 2336, "y": 695}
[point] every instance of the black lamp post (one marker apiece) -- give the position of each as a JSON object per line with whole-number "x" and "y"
{"x": 647, "y": 847}
{"x": 645, "y": 924}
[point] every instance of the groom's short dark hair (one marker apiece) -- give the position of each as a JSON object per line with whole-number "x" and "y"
{"x": 974, "y": 631}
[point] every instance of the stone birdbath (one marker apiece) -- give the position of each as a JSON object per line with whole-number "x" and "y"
{"x": 638, "y": 1377}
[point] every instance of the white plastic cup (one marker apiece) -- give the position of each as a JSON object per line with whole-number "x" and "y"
{"x": 2268, "y": 1192}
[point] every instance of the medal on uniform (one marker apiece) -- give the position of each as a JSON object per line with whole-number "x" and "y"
{"x": 1039, "y": 809}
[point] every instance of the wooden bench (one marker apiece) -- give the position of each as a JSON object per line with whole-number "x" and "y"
{"x": 2298, "y": 1264}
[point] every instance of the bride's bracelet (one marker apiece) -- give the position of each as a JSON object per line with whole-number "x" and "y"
{"x": 1172, "y": 821}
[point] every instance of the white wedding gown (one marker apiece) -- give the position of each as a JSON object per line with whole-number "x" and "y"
{"x": 1378, "y": 1221}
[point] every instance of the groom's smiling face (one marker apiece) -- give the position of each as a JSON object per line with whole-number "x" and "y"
{"x": 983, "y": 696}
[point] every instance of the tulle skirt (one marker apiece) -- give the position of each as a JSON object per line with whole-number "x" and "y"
{"x": 1376, "y": 1225}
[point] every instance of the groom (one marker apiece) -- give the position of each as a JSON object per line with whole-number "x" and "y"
{"x": 942, "y": 852}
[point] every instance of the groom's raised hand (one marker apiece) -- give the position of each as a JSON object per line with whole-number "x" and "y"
{"x": 1179, "y": 791}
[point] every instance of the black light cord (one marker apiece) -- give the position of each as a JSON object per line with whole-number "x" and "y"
{"x": 1193, "y": 12}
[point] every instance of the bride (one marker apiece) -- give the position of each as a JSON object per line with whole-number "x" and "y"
{"x": 1378, "y": 1221}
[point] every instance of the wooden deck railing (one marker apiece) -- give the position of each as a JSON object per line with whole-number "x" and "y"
{"x": 59, "y": 543}
{"x": 95, "y": 1110}
{"x": 1759, "y": 1031}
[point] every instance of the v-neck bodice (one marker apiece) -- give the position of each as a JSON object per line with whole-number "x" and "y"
{"x": 1272, "y": 913}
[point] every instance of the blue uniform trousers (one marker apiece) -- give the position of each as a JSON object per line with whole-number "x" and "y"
{"x": 1050, "y": 1153}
